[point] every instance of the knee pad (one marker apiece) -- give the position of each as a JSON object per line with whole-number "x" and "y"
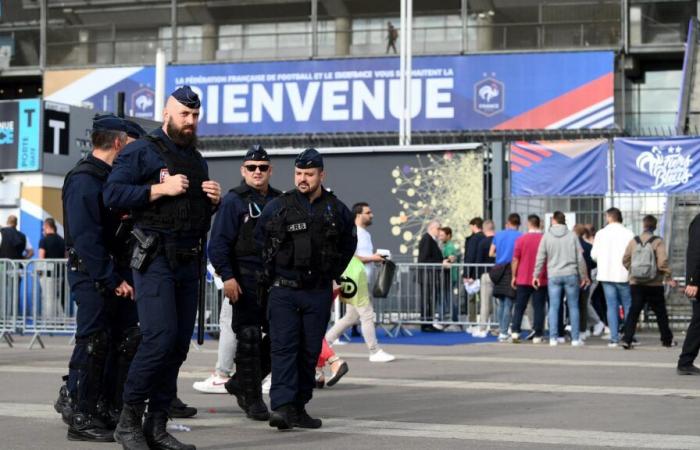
{"x": 131, "y": 338}
{"x": 97, "y": 345}
{"x": 249, "y": 340}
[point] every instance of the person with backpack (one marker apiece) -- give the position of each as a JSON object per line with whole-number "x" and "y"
{"x": 647, "y": 262}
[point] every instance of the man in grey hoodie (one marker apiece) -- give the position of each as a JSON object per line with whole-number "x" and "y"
{"x": 566, "y": 269}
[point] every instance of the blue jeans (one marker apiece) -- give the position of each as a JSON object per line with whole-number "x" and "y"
{"x": 504, "y": 313}
{"x": 570, "y": 285}
{"x": 616, "y": 294}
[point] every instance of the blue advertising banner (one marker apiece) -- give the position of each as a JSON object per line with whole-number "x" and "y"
{"x": 507, "y": 91}
{"x": 20, "y": 129}
{"x": 559, "y": 168}
{"x": 670, "y": 165}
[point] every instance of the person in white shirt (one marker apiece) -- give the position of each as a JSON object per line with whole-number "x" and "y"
{"x": 608, "y": 249}
{"x": 365, "y": 253}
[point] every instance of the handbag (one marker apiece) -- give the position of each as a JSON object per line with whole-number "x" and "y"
{"x": 385, "y": 278}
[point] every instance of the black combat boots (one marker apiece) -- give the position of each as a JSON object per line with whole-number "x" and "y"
{"x": 158, "y": 437}
{"x": 129, "y": 430}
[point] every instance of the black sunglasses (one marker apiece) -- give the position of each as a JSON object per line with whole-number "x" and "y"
{"x": 251, "y": 167}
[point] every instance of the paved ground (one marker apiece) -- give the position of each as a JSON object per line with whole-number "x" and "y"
{"x": 487, "y": 396}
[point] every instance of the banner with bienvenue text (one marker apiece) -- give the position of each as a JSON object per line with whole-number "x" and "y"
{"x": 670, "y": 165}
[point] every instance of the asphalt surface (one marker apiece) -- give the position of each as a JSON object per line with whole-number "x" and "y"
{"x": 486, "y": 396}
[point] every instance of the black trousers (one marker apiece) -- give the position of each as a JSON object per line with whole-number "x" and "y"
{"x": 654, "y": 297}
{"x": 691, "y": 346}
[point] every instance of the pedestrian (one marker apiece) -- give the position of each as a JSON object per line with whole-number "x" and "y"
{"x": 588, "y": 315}
{"x": 561, "y": 251}
{"x": 429, "y": 273}
{"x": 337, "y": 366}
{"x": 107, "y": 332}
{"x": 469, "y": 274}
{"x": 359, "y": 306}
{"x": 238, "y": 262}
{"x": 647, "y": 262}
{"x": 392, "y": 36}
{"x": 308, "y": 238}
{"x": 501, "y": 274}
{"x": 450, "y": 275}
{"x": 13, "y": 243}
{"x": 51, "y": 246}
{"x": 608, "y": 249}
{"x": 164, "y": 181}
{"x": 524, "y": 258}
{"x": 486, "y": 285}
{"x": 691, "y": 345}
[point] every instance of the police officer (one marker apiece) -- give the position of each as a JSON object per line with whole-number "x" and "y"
{"x": 233, "y": 254}
{"x": 308, "y": 238}
{"x": 100, "y": 281}
{"x": 164, "y": 181}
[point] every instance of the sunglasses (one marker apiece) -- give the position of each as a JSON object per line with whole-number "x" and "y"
{"x": 251, "y": 167}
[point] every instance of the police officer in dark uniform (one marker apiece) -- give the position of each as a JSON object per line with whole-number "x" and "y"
{"x": 100, "y": 280}
{"x": 237, "y": 261}
{"x": 164, "y": 181}
{"x": 308, "y": 238}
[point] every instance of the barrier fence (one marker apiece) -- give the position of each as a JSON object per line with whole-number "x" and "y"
{"x": 35, "y": 299}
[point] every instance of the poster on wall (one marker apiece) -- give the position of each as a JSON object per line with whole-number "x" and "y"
{"x": 20, "y": 129}
{"x": 476, "y": 92}
{"x": 669, "y": 165}
{"x": 559, "y": 167}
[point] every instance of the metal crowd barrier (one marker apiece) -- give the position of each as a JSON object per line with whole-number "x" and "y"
{"x": 426, "y": 294}
{"x": 35, "y": 299}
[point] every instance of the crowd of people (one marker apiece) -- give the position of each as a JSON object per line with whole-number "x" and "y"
{"x": 579, "y": 282}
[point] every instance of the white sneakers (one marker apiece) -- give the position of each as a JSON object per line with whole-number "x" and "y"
{"x": 381, "y": 356}
{"x": 212, "y": 385}
{"x": 598, "y": 328}
{"x": 537, "y": 340}
{"x": 553, "y": 343}
{"x": 577, "y": 343}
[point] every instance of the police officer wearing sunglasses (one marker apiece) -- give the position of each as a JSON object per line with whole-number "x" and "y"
{"x": 233, "y": 254}
{"x": 308, "y": 237}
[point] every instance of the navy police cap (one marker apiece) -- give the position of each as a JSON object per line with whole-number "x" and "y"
{"x": 108, "y": 122}
{"x": 308, "y": 159}
{"x": 134, "y": 130}
{"x": 186, "y": 96}
{"x": 256, "y": 153}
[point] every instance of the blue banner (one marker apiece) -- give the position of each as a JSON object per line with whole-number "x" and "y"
{"x": 507, "y": 91}
{"x": 670, "y": 165}
{"x": 29, "y": 125}
{"x": 559, "y": 168}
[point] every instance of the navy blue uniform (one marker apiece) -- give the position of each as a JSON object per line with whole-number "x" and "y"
{"x": 103, "y": 319}
{"x": 166, "y": 290}
{"x": 300, "y": 299}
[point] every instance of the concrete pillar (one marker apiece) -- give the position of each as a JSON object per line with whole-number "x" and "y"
{"x": 484, "y": 32}
{"x": 210, "y": 34}
{"x": 83, "y": 50}
{"x": 342, "y": 36}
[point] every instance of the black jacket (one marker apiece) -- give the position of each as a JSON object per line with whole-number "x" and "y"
{"x": 471, "y": 251}
{"x": 692, "y": 264}
{"x": 429, "y": 250}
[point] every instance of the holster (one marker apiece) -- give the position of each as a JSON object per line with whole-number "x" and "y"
{"x": 143, "y": 253}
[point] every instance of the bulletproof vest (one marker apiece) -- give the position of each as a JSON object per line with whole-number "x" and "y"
{"x": 245, "y": 243}
{"x": 114, "y": 227}
{"x": 187, "y": 213}
{"x": 308, "y": 241}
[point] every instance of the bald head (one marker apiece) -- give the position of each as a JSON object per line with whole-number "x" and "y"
{"x": 180, "y": 122}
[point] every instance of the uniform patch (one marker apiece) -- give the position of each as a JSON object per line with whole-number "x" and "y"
{"x": 164, "y": 174}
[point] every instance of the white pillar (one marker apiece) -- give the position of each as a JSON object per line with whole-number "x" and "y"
{"x": 160, "y": 86}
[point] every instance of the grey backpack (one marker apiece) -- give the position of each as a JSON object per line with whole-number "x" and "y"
{"x": 643, "y": 264}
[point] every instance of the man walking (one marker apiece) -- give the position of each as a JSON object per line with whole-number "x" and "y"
{"x": 501, "y": 275}
{"x": 691, "y": 345}
{"x": 608, "y": 249}
{"x": 429, "y": 252}
{"x": 165, "y": 182}
{"x": 647, "y": 262}
{"x": 307, "y": 237}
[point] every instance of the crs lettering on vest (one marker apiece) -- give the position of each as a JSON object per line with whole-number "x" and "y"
{"x": 295, "y": 227}
{"x": 164, "y": 174}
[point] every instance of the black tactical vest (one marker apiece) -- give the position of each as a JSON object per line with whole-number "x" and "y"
{"x": 245, "y": 242}
{"x": 308, "y": 241}
{"x": 187, "y": 213}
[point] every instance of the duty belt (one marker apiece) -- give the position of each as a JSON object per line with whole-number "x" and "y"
{"x": 284, "y": 282}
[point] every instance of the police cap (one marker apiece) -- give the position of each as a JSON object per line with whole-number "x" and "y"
{"x": 308, "y": 159}
{"x": 186, "y": 96}
{"x": 108, "y": 122}
{"x": 256, "y": 153}
{"x": 134, "y": 130}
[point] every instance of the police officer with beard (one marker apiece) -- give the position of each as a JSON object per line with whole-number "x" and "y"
{"x": 164, "y": 181}
{"x": 100, "y": 281}
{"x": 308, "y": 238}
{"x": 233, "y": 254}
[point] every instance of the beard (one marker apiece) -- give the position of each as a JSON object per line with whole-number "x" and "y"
{"x": 180, "y": 136}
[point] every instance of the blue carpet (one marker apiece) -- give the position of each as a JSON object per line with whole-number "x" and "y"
{"x": 421, "y": 338}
